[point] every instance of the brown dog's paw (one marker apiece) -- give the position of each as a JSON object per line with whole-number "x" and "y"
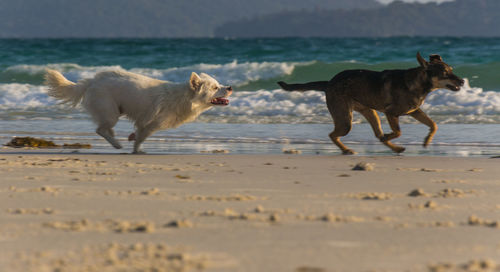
{"x": 386, "y": 137}
{"x": 427, "y": 141}
{"x": 399, "y": 149}
{"x": 348, "y": 152}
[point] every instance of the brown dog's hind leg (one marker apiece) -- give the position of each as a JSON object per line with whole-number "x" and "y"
{"x": 342, "y": 127}
{"x": 420, "y": 116}
{"x": 372, "y": 118}
{"x": 341, "y": 112}
{"x": 335, "y": 136}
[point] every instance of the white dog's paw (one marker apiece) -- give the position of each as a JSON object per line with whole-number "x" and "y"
{"x": 117, "y": 146}
{"x": 138, "y": 152}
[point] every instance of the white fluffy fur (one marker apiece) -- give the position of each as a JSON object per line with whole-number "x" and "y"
{"x": 150, "y": 103}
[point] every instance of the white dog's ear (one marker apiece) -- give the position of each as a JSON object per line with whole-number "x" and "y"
{"x": 205, "y": 75}
{"x": 195, "y": 81}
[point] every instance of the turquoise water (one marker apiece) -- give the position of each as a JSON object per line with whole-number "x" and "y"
{"x": 477, "y": 58}
{"x": 252, "y": 67}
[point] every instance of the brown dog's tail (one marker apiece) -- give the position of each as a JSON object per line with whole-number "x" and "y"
{"x": 315, "y": 85}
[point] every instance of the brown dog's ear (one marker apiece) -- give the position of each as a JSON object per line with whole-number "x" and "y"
{"x": 421, "y": 60}
{"x": 435, "y": 58}
{"x": 195, "y": 81}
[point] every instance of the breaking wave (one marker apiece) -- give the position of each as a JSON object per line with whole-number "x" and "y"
{"x": 257, "y": 98}
{"x": 233, "y": 73}
{"x": 469, "y": 105}
{"x": 248, "y": 76}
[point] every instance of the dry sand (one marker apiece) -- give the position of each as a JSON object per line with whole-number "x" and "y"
{"x": 75, "y": 212}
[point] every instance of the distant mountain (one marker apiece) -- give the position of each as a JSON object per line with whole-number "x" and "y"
{"x": 142, "y": 18}
{"x": 458, "y": 18}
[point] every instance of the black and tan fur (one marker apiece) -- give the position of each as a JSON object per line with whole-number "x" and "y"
{"x": 393, "y": 92}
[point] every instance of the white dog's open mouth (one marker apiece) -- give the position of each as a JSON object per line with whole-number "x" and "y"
{"x": 220, "y": 101}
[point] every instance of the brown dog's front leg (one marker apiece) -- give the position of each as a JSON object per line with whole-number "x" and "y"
{"x": 372, "y": 118}
{"x": 396, "y": 132}
{"x": 420, "y": 116}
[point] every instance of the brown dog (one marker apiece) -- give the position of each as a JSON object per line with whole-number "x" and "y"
{"x": 393, "y": 92}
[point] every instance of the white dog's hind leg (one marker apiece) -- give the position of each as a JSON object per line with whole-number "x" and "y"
{"x": 105, "y": 126}
{"x": 108, "y": 134}
{"x": 105, "y": 114}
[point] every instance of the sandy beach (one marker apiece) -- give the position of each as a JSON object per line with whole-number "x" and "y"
{"x": 78, "y": 212}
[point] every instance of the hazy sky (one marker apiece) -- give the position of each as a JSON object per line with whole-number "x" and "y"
{"x": 421, "y": 1}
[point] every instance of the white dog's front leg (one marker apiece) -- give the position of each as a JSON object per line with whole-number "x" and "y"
{"x": 140, "y": 135}
{"x": 137, "y": 145}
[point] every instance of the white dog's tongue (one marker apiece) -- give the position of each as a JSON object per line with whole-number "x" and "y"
{"x": 220, "y": 101}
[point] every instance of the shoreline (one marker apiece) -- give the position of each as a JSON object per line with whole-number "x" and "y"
{"x": 247, "y": 212}
{"x": 466, "y": 140}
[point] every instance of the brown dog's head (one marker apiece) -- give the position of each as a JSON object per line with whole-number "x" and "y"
{"x": 440, "y": 74}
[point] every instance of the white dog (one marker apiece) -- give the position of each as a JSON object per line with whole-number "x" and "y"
{"x": 152, "y": 104}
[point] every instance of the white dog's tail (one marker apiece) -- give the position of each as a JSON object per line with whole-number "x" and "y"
{"x": 63, "y": 89}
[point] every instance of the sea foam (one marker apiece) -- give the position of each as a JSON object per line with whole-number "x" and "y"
{"x": 233, "y": 73}
{"x": 16, "y": 96}
{"x": 469, "y": 105}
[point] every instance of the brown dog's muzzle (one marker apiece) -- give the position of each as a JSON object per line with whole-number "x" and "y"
{"x": 458, "y": 83}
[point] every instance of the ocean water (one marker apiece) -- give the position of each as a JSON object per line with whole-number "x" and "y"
{"x": 260, "y": 118}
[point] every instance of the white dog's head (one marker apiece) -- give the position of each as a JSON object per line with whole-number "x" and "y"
{"x": 208, "y": 91}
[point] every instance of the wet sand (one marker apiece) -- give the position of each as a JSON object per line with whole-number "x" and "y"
{"x": 289, "y": 212}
